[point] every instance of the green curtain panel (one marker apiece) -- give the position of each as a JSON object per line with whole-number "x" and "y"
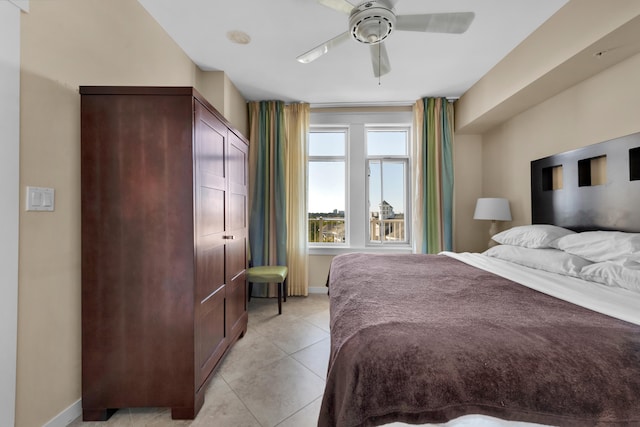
{"x": 267, "y": 202}
{"x": 437, "y": 164}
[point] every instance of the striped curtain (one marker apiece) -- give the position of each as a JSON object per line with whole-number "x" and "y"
{"x": 267, "y": 189}
{"x": 297, "y": 122}
{"x": 433, "y": 176}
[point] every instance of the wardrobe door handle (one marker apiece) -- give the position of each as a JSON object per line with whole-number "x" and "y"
{"x": 229, "y": 237}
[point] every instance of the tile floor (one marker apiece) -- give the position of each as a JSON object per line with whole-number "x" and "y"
{"x": 273, "y": 376}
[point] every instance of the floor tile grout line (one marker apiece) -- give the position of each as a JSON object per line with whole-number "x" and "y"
{"x": 305, "y": 367}
{"x": 300, "y": 349}
{"x": 314, "y": 343}
{"x": 323, "y": 378}
{"x": 253, "y": 371}
{"x": 292, "y": 355}
{"x": 299, "y": 410}
{"x": 281, "y": 421}
{"x": 243, "y": 402}
{"x": 286, "y": 354}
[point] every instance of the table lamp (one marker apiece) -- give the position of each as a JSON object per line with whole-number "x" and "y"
{"x": 493, "y": 209}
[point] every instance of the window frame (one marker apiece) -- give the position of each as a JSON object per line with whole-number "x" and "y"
{"x": 357, "y": 120}
{"x": 344, "y": 158}
{"x": 406, "y": 160}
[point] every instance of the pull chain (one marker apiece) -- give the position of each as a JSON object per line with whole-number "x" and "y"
{"x": 379, "y": 29}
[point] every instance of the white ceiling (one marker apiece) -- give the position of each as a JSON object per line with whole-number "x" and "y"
{"x": 422, "y": 64}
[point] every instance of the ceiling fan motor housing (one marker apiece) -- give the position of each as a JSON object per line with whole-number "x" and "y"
{"x": 371, "y": 22}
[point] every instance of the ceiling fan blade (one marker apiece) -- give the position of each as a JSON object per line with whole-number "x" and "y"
{"x": 389, "y": 3}
{"x": 379, "y": 59}
{"x": 455, "y": 23}
{"x": 318, "y": 51}
{"x": 339, "y": 5}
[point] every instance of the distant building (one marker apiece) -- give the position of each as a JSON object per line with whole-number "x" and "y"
{"x": 386, "y": 210}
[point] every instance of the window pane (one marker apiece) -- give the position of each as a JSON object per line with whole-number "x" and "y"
{"x": 327, "y": 143}
{"x": 375, "y": 199}
{"x": 393, "y": 185}
{"x": 387, "y": 200}
{"x": 386, "y": 143}
{"x": 326, "y": 202}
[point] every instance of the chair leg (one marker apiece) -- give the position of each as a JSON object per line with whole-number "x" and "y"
{"x": 279, "y": 298}
{"x": 286, "y": 291}
{"x": 250, "y": 290}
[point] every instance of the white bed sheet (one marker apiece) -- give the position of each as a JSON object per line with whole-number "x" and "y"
{"x": 473, "y": 421}
{"x": 615, "y": 302}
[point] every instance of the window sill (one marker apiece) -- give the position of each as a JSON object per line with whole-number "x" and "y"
{"x": 324, "y": 250}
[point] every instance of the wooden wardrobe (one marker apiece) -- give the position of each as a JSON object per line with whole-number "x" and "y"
{"x": 164, "y": 244}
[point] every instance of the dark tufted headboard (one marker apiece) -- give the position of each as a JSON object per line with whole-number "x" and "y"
{"x": 589, "y": 199}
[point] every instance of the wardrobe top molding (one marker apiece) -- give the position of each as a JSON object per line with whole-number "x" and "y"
{"x": 161, "y": 91}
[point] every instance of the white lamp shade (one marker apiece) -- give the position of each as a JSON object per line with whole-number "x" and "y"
{"x": 492, "y": 208}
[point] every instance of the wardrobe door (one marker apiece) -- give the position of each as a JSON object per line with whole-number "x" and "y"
{"x": 211, "y": 198}
{"x": 236, "y": 261}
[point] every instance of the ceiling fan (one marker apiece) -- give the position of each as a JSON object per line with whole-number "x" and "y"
{"x": 371, "y": 22}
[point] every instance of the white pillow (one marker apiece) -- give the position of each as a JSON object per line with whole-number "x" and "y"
{"x": 598, "y": 246}
{"x": 531, "y": 236}
{"x": 552, "y": 260}
{"x": 613, "y": 274}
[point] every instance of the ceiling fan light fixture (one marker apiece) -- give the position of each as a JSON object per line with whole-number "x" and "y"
{"x": 371, "y": 22}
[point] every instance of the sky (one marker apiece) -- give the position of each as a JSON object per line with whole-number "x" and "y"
{"x": 327, "y": 177}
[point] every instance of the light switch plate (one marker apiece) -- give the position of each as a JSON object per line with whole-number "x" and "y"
{"x": 40, "y": 199}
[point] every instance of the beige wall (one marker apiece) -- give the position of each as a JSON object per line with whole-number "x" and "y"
{"x": 556, "y": 56}
{"x": 65, "y": 44}
{"x": 220, "y": 91}
{"x": 603, "y": 107}
{"x": 600, "y": 108}
{"x": 319, "y": 270}
{"x": 235, "y": 107}
{"x": 211, "y": 85}
{"x": 468, "y": 235}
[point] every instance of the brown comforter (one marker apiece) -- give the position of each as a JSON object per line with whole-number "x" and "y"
{"x": 427, "y": 338}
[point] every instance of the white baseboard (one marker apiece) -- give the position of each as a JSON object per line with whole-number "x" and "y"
{"x": 318, "y": 290}
{"x": 66, "y": 417}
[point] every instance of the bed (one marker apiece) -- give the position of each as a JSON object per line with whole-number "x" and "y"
{"x": 544, "y": 328}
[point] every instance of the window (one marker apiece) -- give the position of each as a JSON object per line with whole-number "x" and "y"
{"x": 326, "y": 195}
{"x": 387, "y": 167}
{"x": 358, "y": 187}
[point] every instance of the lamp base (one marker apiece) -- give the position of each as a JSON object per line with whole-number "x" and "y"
{"x": 493, "y": 230}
